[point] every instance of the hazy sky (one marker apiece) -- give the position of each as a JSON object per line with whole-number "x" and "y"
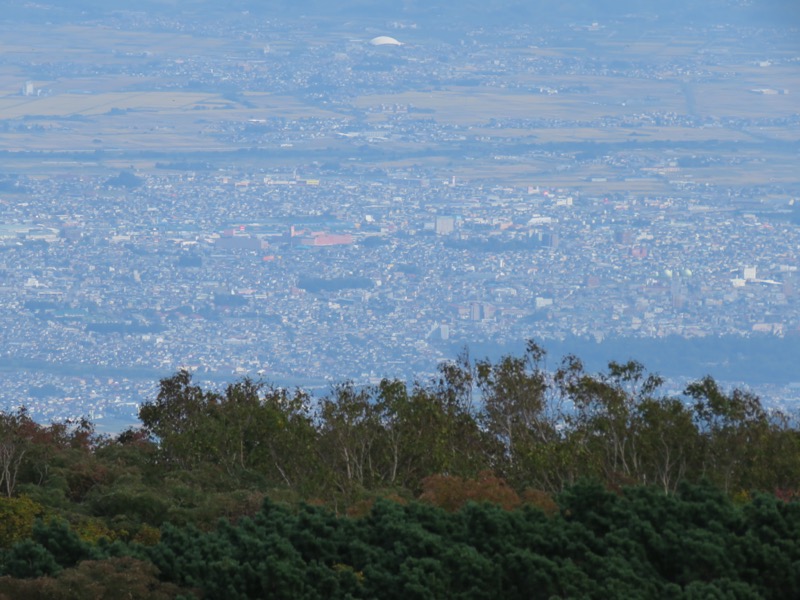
{"x": 776, "y": 11}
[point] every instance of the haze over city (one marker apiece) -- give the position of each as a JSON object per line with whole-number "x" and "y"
{"x": 304, "y": 193}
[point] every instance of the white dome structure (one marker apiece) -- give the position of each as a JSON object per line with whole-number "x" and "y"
{"x": 384, "y": 40}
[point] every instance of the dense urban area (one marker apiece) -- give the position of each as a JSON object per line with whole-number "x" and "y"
{"x": 374, "y": 233}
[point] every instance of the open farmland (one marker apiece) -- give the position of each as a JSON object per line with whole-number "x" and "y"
{"x": 529, "y": 110}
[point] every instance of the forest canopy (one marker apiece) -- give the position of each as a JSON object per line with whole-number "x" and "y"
{"x": 494, "y": 479}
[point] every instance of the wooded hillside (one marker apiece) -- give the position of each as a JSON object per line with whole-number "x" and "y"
{"x": 496, "y": 479}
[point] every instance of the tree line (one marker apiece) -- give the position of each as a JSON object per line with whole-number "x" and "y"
{"x": 536, "y": 428}
{"x": 512, "y": 432}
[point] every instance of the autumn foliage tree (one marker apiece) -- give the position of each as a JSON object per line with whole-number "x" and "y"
{"x": 501, "y": 430}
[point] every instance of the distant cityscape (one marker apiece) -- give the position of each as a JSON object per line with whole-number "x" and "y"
{"x": 372, "y": 238}
{"x": 298, "y": 280}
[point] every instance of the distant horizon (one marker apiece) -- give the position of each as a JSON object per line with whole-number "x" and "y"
{"x": 499, "y": 11}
